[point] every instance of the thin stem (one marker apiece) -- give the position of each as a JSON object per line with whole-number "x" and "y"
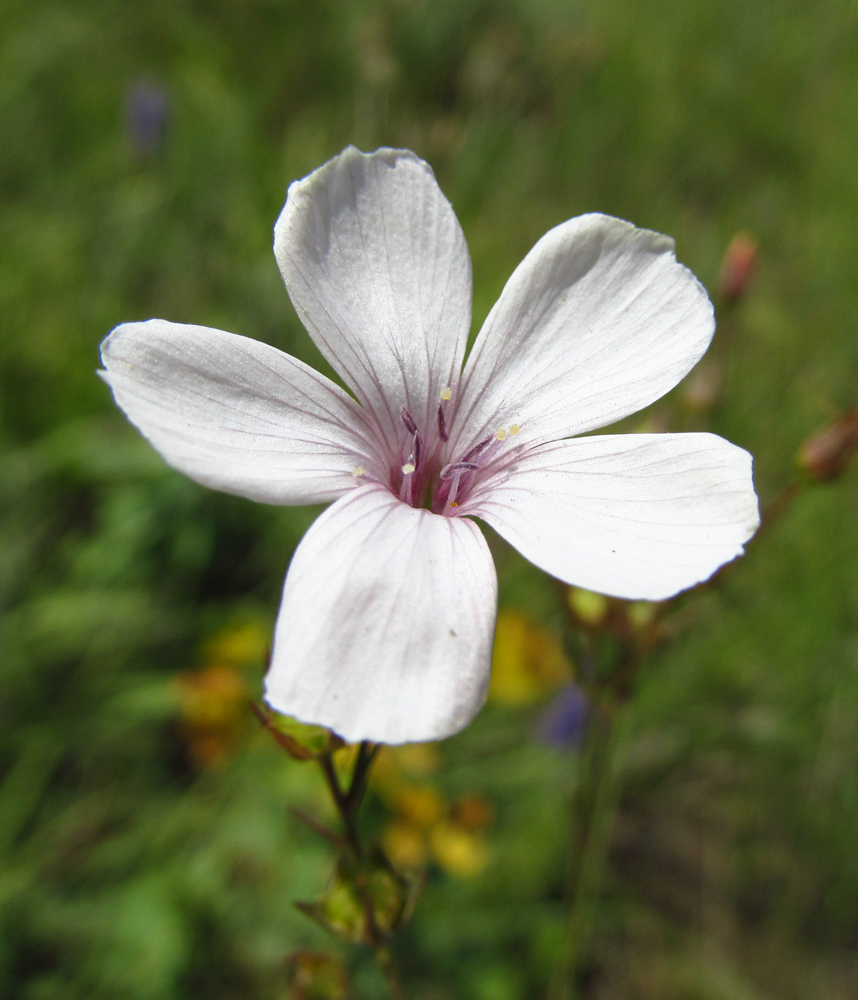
{"x": 347, "y": 802}
{"x": 366, "y": 755}
{"x": 385, "y": 961}
{"x": 590, "y": 844}
{"x": 318, "y": 828}
{"x": 347, "y": 815}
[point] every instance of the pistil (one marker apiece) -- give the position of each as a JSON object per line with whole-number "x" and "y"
{"x": 421, "y": 458}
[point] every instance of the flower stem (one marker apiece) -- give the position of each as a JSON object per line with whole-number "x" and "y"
{"x": 590, "y": 842}
{"x": 347, "y": 802}
{"x": 347, "y": 815}
{"x": 385, "y": 962}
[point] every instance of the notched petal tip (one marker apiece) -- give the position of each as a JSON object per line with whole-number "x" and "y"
{"x": 306, "y": 188}
{"x": 618, "y": 229}
{"x": 598, "y": 321}
{"x": 377, "y": 268}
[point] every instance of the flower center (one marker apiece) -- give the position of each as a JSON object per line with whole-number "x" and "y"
{"x": 424, "y": 474}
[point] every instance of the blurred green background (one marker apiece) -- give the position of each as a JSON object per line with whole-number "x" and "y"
{"x": 147, "y": 849}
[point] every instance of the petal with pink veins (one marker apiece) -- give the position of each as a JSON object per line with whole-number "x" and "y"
{"x": 236, "y": 414}
{"x": 385, "y": 627}
{"x": 378, "y": 270}
{"x": 598, "y": 321}
{"x": 631, "y": 515}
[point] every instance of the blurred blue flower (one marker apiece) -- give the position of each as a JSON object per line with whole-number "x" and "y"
{"x": 147, "y": 114}
{"x": 564, "y": 722}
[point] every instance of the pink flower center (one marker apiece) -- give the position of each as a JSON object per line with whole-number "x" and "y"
{"x": 424, "y": 476}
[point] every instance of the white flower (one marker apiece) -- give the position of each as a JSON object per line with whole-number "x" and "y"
{"x": 385, "y": 628}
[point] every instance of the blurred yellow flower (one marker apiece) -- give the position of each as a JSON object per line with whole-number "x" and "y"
{"x": 458, "y": 851}
{"x": 405, "y": 846}
{"x": 420, "y": 805}
{"x": 527, "y": 663}
{"x": 418, "y": 759}
{"x": 424, "y": 826}
{"x": 588, "y": 607}
{"x": 238, "y": 645}
{"x": 213, "y": 706}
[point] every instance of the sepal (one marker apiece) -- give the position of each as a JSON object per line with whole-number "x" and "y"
{"x": 301, "y": 740}
{"x": 367, "y": 900}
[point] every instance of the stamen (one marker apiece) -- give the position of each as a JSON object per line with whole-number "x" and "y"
{"x": 472, "y": 454}
{"x": 443, "y": 433}
{"x": 418, "y": 450}
{"x": 358, "y": 471}
{"x": 405, "y": 490}
{"x": 514, "y": 429}
{"x": 408, "y": 420}
{"x": 457, "y": 469}
{"x": 486, "y": 450}
{"x": 446, "y": 393}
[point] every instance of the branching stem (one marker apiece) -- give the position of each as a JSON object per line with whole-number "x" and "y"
{"x": 347, "y": 802}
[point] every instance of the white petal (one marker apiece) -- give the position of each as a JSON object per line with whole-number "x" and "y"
{"x": 632, "y": 515}
{"x": 235, "y": 414}
{"x": 385, "y": 628}
{"x": 598, "y": 321}
{"x": 378, "y": 270}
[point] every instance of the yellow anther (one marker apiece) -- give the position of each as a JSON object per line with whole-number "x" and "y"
{"x": 358, "y": 471}
{"x": 454, "y": 504}
{"x": 500, "y": 434}
{"x": 514, "y": 429}
{"x": 408, "y": 468}
{"x": 446, "y": 393}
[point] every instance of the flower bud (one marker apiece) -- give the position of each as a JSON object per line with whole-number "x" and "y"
{"x": 826, "y": 453}
{"x": 737, "y": 267}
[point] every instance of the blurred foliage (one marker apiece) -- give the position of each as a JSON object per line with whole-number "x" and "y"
{"x": 145, "y": 154}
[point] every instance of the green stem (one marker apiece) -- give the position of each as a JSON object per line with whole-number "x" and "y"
{"x": 385, "y": 962}
{"x": 347, "y": 802}
{"x": 366, "y": 755}
{"x": 591, "y": 840}
{"x": 347, "y": 816}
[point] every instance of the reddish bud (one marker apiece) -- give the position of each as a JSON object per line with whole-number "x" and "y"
{"x": 827, "y": 452}
{"x": 737, "y": 267}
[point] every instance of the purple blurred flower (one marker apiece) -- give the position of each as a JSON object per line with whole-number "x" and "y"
{"x": 564, "y": 723}
{"x": 147, "y": 114}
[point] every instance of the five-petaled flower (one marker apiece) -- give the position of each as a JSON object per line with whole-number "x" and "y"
{"x": 385, "y": 627}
